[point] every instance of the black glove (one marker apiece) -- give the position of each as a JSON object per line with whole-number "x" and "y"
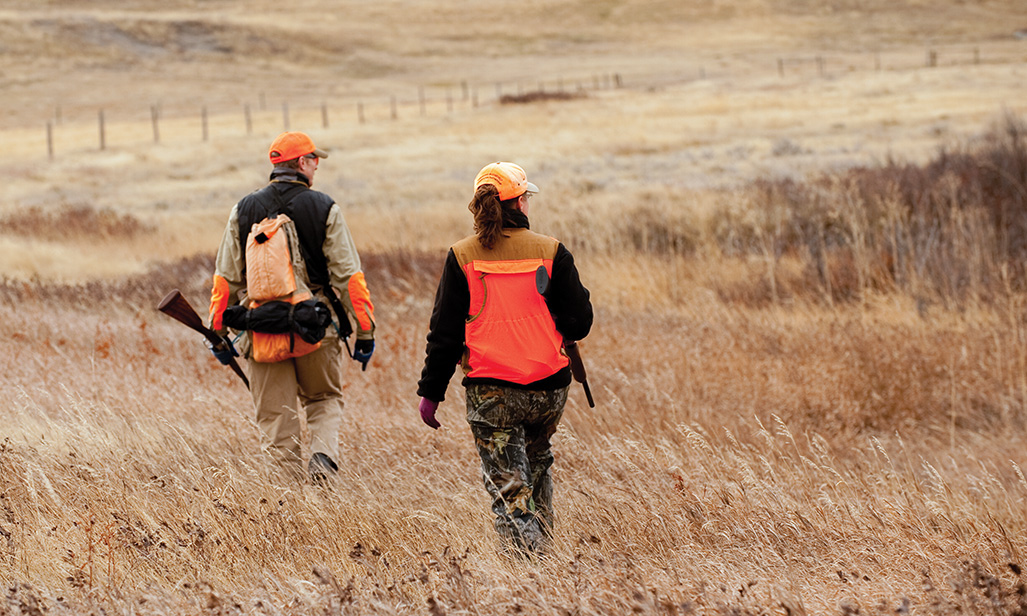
{"x": 362, "y": 350}
{"x": 223, "y": 352}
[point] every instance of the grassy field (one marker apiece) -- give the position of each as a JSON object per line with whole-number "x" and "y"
{"x": 801, "y": 224}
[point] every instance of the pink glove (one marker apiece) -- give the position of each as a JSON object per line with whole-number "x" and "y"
{"x": 427, "y": 409}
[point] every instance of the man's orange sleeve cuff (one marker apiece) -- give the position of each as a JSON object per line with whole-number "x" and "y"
{"x": 218, "y": 302}
{"x": 361, "y": 300}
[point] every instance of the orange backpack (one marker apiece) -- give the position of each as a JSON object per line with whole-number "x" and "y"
{"x": 275, "y": 271}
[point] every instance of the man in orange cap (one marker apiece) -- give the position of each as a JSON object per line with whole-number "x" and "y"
{"x": 313, "y": 381}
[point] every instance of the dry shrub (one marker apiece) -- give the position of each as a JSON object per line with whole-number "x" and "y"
{"x": 951, "y": 229}
{"x": 978, "y": 589}
{"x": 191, "y": 275}
{"x": 401, "y": 273}
{"x": 396, "y": 275}
{"x": 539, "y": 96}
{"x": 72, "y": 222}
{"x": 658, "y": 230}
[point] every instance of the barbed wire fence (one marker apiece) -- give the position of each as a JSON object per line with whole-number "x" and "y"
{"x": 128, "y": 127}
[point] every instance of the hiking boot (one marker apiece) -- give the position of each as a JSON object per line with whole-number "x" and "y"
{"x": 322, "y": 468}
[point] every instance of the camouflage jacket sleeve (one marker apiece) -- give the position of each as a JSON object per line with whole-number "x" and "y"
{"x": 345, "y": 274}
{"x": 229, "y": 276}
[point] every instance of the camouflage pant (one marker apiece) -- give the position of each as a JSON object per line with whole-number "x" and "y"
{"x": 512, "y": 428}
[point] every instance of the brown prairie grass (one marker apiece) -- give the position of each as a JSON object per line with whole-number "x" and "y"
{"x": 864, "y": 459}
{"x": 810, "y": 390}
{"x": 763, "y": 442}
{"x": 73, "y": 221}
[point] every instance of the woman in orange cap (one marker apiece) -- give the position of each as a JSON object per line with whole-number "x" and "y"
{"x": 507, "y": 301}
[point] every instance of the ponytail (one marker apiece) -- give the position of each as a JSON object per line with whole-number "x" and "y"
{"x": 488, "y": 215}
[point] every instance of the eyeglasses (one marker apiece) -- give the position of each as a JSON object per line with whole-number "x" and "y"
{"x": 310, "y": 156}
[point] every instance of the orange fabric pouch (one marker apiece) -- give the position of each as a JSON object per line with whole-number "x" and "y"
{"x": 271, "y": 274}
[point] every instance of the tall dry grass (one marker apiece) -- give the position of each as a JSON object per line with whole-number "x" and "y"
{"x": 745, "y": 468}
{"x": 758, "y": 447}
{"x": 811, "y": 394}
{"x": 951, "y": 231}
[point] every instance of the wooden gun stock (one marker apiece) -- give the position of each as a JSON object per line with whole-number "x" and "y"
{"x": 578, "y": 369}
{"x": 178, "y": 308}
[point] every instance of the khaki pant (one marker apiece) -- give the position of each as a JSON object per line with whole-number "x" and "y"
{"x": 312, "y": 382}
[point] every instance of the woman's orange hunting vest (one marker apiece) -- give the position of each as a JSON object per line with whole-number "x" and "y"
{"x": 509, "y": 332}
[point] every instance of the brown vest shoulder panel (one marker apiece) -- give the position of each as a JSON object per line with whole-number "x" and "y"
{"x": 519, "y": 244}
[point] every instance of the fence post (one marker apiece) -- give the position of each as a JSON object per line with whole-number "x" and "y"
{"x": 932, "y": 58}
{"x": 463, "y": 84}
{"x": 249, "y": 119}
{"x": 49, "y": 140}
{"x": 153, "y": 118}
{"x": 360, "y": 113}
{"x": 103, "y": 132}
{"x": 392, "y": 107}
{"x": 324, "y": 115}
{"x": 420, "y": 99}
{"x": 780, "y": 67}
{"x": 203, "y": 116}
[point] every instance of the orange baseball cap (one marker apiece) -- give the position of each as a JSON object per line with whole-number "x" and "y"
{"x": 288, "y": 146}
{"x": 508, "y": 178}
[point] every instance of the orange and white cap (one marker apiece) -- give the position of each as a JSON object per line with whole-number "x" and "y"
{"x": 509, "y": 179}
{"x": 288, "y": 146}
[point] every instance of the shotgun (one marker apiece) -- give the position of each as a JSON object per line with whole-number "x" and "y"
{"x": 570, "y": 347}
{"x": 578, "y": 368}
{"x": 178, "y": 308}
